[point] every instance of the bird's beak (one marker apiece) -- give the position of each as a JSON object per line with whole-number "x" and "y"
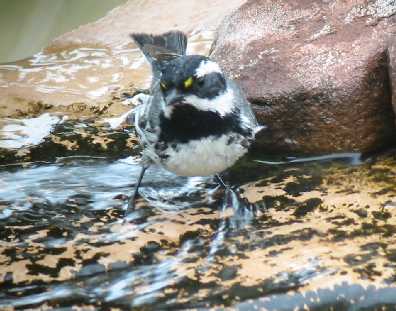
{"x": 174, "y": 97}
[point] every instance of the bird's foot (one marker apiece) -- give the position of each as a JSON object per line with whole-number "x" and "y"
{"x": 221, "y": 182}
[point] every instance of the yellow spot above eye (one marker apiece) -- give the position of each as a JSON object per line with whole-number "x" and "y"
{"x": 163, "y": 86}
{"x": 188, "y": 83}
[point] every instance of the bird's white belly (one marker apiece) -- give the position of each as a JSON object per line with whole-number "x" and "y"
{"x": 203, "y": 157}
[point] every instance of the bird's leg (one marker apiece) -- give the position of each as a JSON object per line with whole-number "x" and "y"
{"x": 228, "y": 195}
{"x": 132, "y": 199}
{"x": 221, "y": 182}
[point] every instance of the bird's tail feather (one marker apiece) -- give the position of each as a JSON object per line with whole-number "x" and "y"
{"x": 157, "y": 48}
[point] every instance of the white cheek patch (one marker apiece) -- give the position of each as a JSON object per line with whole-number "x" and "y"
{"x": 207, "y": 67}
{"x": 222, "y": 104}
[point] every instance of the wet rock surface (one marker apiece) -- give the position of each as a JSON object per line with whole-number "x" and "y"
{"x": 320, "y": 73}
{"x": 57, "y": 138}
{"x": 86, "y": 66}
{"x": 316, "y": 235}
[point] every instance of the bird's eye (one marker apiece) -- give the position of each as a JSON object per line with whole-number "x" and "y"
{"x": 163, "y": 86}
{"x": 188, "y": 83}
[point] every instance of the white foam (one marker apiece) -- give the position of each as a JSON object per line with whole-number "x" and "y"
{"x": 99, "y": 92}
{"x": 117, "y": 121}
{"x": 137, "y": 100}
{"x": 27, "y": 131}
{"x": 131, "y": 160}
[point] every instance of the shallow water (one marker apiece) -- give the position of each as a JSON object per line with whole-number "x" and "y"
{"x": 57, "y": 203}
{"x": 28, "y": 26}
{"x": 64, "y": 241}
{"x": 80, "y": 77}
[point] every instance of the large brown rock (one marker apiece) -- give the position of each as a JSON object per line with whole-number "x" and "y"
{"x": 320, "y": 73}
{"x": 392, "y": 70}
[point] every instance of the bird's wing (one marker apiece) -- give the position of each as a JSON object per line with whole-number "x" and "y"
{"x": 146, "y": 122}
{"x": 244, "y": 106}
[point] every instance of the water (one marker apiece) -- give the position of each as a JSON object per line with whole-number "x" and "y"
{"x": 28, "y": 26}
{"x": 80, "y": 77}
{"x": 190, "y": 245}
{"x": 299, "y": 233}
{"x": 60, "y": 204}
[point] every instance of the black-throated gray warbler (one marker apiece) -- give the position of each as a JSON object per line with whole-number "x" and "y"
{"x": 196, "y": 122}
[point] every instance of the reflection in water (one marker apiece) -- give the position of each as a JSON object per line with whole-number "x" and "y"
{"x": 64, "y": 242}
{"x": 235, "y": 214}
{"x": 341, "y": 297}
{"x": 351, "y": 158}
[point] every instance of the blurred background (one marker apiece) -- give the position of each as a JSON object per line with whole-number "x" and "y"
{"x": 26, "y": 26}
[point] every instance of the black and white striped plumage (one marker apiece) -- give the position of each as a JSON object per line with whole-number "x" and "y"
{"x": 196, "y": 122}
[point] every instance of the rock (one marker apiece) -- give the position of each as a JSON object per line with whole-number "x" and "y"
{"x": 47, "y": 138}
{"x": 321, "y": 74}
{"x": 392, "y": 70}
{"x": 294, "y": 251}
{"x": 345, "y": 236}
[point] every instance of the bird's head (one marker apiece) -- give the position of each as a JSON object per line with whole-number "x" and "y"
{"x": 196, "y": 81}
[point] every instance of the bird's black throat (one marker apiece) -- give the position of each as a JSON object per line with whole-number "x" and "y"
{"x": 188, "y": 123}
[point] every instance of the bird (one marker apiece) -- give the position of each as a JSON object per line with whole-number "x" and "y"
{"x": 196, "y": 120}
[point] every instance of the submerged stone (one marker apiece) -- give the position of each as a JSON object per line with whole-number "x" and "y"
{"x": 184, "y": 249}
